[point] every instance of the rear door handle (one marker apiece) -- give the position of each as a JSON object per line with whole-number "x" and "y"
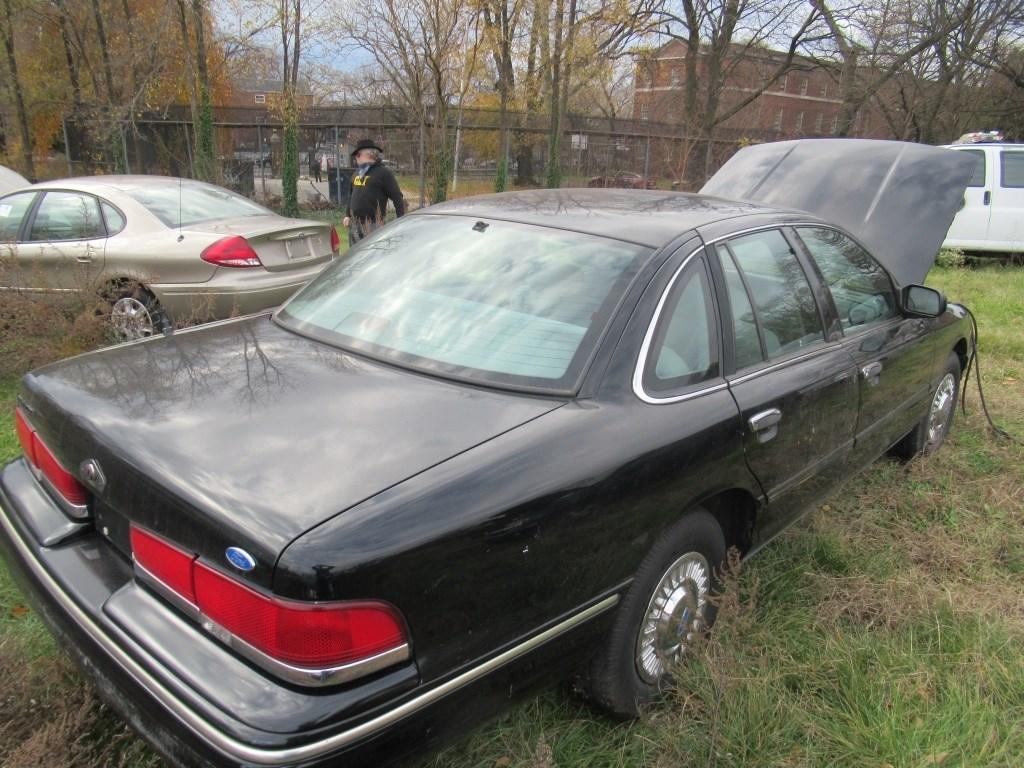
{"x": 765, "y": 424}
{"x": 987, "y": 197}
{"x": 871, "y": 372}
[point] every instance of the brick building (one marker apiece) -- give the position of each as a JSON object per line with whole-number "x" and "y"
{"x": 803, "y": 103}
{"x": 256, "y": 92}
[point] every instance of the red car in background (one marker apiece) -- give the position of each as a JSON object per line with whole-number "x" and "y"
{"x": 622, "y": 181}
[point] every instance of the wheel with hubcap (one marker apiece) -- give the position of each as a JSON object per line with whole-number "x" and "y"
{"x": 663, "y": 611}
{"x": 931, "y": 431}
{"x": 136, "y": 314}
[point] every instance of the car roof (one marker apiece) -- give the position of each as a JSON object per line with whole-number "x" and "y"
{"x": 122, "y": 183}
{"x": 646, "y": 217}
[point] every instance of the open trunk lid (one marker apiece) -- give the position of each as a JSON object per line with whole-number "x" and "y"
{"x": 244, "y": 434}
{"x": 897, "y": 198}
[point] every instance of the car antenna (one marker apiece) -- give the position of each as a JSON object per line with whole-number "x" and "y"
{"x": 180, "y": 235}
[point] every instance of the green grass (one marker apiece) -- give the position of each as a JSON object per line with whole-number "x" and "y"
{"x": 885, "y": 629}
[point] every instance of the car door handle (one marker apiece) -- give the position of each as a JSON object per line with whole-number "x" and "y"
{"x": 765, "y": 424}
{"x": 871, "y": 372}
{"x": 987, "y": 197}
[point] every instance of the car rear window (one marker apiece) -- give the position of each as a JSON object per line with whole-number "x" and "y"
{"x": 194, "y": 203}
{"x": 489, "y": 301}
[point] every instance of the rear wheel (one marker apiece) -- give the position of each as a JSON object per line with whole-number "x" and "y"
{"x": 931, "y": 431}
{"x": 665, "y": 608}
{"x": 135, "y": 314}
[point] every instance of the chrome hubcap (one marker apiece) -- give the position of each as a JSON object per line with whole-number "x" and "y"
{"x": 673, "y": 617}
{"x": 131, "y": 319}
{"x": 942, "y": 407}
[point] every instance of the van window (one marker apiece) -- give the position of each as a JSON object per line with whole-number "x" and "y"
{"x": 978, "y": 176}
{"x": 1012, "y": 171}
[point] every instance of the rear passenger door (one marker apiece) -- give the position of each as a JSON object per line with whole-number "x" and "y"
{"x": 795, "y": 386}
{"x": 64, "y": 243}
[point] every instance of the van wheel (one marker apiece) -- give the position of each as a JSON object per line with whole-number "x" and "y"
{"x": 666, "y": 606}
{"x": 931, "y": 431}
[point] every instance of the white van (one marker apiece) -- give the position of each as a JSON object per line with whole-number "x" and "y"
{"x": 992, "y": 218}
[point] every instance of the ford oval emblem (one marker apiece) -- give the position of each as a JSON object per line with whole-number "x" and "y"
{"x": 239, "y": 558}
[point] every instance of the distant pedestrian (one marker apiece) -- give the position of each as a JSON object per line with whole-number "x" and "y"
{"x": 372, "y": 186}
{"x": 316, "y": 168}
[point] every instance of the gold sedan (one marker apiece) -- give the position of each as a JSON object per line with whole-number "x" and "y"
{"x": 161, "y": 250}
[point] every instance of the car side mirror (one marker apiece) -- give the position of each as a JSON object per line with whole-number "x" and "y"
{"x": 923, "y": 302}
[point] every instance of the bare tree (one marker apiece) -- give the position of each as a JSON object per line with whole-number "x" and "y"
{"x": 423, "y": 47}
{"x": 721, "y": 37}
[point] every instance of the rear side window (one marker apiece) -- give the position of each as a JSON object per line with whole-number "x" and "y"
{"x": 113, "y": 217}
{"x": 1012, "y": 169}
{"x": 12, "y": 210}
{"x": 861, "y": 289}
{"x": 684, "y": 350}
{"x": 787, "y": 315}
{"x": 67, "y": 216}
{"x": 978, "y": 176}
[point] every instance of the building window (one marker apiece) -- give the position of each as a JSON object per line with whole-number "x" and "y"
{"x": 835, "y": 124}
{"x": 778, "y": 120}
{"x": 824, "y": 90}
{"x": 261, "y": 98}
{"x": 803, "y": 87}
{"x": 676, "y": 78}
{"x": 799, "y": 121}
{"x": 645, "y": 112}
{"x": 784, "y": 82}
{"x": 817, "y": 122}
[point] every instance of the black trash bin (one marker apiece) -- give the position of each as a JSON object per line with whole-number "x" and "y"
{"x": 339, "y": 181}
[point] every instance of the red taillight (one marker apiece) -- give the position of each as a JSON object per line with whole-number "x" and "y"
{"x": 309, "y": 635}
{"x": 43, "y": 459}
{"x": 335, "y": 241}
{"x": 232, "y": 251}
{"x": 312, "y": 636}
{"x": 165, "y": 561}
{"x": 24, "y": 436}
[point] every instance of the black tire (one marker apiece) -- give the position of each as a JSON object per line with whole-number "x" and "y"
{"x": 135, "y": 313}
{"x": 931, "y": 431}
{"x": 621, "y": 678}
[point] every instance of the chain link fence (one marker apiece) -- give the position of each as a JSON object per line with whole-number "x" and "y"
{"x": 594, "y": 151}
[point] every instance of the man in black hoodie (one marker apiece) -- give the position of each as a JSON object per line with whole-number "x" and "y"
{"x": 372, "y": 186}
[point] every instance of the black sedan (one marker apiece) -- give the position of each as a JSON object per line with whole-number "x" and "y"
{"x": 508, "y": 438}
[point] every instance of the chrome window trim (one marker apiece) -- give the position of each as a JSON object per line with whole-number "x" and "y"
{"x": 786, "y": 363}
{"x": 638, "y": 372}
{"x": 645, "y": 348}
{"x": 239, "y": 750}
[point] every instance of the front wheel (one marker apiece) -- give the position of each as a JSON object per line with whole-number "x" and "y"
{"x": 931, "y": 431}
{"x": 666, "y": 606}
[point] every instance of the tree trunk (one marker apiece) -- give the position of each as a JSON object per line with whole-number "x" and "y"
{"x": 69, "y": 57}
{"x": 21, "y": 116}
{"x": 554, "y": 172}
{"x": 206, "y": 166}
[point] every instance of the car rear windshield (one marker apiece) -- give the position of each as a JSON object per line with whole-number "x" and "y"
{"x": 194, "y": 203}
{"x": 488, "y": 301}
